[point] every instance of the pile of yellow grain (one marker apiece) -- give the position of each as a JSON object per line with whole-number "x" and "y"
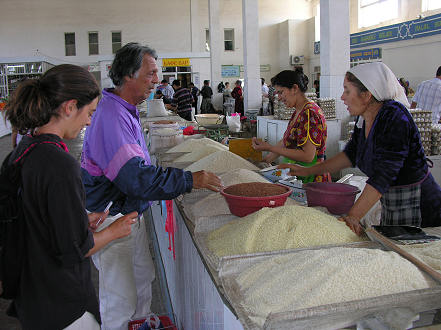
{"x": 280, "y": 228}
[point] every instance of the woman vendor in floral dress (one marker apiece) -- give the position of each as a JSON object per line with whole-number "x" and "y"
{"x": 304, "y": 141}
{"x": 386, "y": 146}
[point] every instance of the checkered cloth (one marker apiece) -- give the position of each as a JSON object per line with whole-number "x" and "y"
{"x": 400, "y": 206}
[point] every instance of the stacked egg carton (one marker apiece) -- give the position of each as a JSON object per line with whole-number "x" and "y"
{"x": 423, "y": 120}
{"x": 436, "y": 139}
{"x": 312, "y": 97}
{"x": 328, "y": 107}
{"x": 281, "y": 111}
{"x": 350, "y": 130}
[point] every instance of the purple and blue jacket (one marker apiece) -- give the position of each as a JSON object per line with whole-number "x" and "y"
{"x": 116, "y": 166}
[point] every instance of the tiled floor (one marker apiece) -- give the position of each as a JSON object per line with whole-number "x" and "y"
{"x": 75, "y": 147}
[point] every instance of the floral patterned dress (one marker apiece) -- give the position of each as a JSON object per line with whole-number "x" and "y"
{"x": 310, "y": 125}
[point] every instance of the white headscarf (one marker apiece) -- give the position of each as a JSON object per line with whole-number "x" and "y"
{"x": 381, "y": 82}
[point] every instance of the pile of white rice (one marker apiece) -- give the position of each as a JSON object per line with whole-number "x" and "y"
{"x": 318, "y": 277}
{"x": 221, "y": 162}
{"x": 193, "y": 144}
{"x": 198, "y": 153}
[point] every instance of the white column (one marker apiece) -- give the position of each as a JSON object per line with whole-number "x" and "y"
{"x": 195, "y": 26}
{"x": 334, "y": 50}
{"x": 216, "y": 43}
{"x": 251, "y": 59}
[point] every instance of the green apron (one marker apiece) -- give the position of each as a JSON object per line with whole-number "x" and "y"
{"x": 304, "y": 179}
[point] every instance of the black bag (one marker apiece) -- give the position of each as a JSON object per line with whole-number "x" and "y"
{"x": 12, "y": 224}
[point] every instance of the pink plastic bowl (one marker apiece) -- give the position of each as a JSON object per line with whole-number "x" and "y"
{"x": 242, "y": 206}
{"x": 338, "y": 198}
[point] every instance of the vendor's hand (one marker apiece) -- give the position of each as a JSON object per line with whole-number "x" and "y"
{"x": 260, "y": 145}
{"x": 296, "y": 170}
{"x": 96, "y": 218}
{"x": 352, "y": 223}
{"x": 122, "y": 227}
{"x": 203, "y": 179}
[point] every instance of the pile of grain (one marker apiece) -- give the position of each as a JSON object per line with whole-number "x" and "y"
{"x": 429, "y": 253}
{"x": 280, "y": 228}
{"x": 215, "y": 204}
{"x": 194, "y": 144}
{"x": 199, "y": 153}
{"x": 318, "y": 277}
{"x": 221, "y": 162}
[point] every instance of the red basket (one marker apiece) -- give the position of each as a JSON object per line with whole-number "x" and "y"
{"x": 242, "y": 206}
{"x": 165, "y": 321}
{"x": 338, "y": 198}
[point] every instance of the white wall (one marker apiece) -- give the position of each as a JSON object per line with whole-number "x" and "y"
{"x": 285, "y": 26}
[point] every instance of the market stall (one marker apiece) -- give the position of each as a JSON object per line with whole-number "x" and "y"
{"x": 205, "y": 289}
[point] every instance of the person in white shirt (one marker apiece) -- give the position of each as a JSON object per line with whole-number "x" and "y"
{"x": 265, "y": 99}
{"x": 428, "y": 96}
{"x": 265, "y": 89}
{"x": 166, "y": 89}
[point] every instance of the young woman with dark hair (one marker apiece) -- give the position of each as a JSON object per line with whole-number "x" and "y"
{"x": 304, "y": 141}
{"x": 56, "y": 290}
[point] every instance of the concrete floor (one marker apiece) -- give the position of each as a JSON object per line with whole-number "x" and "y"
{"x": 75, "y": 147}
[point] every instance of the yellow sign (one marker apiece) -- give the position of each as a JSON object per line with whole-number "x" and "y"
{"x": 175, "y": 62}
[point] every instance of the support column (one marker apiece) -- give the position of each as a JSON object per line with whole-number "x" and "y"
{"x": 334, "y": 50}
{"x": 194, "y": 27}
{"x": 216, "y": 43}
{"x": 251, "y": 58}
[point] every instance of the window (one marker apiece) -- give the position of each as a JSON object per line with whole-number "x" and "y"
{"x": 207, "y": 40}
{"x": 116, "y": 41}
{"x": 93, "y": 43}
{"x": 69, "y": 43}
{"x": 430, "y": 5}
{"x": 373, "y": 12}
{"x": 229, "y": 39}
{"x": 317, "y": 23}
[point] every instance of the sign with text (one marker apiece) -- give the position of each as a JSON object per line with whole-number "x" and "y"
{"x": 175, "y": 62}
{"x": 403, "y": 31}
{"x": 263, "y": 68}
{"x": 230, "y": 71}
{"x": 365, "y": 54}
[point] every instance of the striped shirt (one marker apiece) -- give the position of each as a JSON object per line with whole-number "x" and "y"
{"x": 428, "y": 97}
{"x": 182, "y": 99}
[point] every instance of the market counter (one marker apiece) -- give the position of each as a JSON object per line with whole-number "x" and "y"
{"x": 200, "y": 300}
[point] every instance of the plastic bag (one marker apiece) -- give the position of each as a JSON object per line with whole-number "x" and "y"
{"x": 233, "y": 122}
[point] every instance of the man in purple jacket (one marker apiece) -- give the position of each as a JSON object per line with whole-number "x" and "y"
{"x": 116, "y": 167}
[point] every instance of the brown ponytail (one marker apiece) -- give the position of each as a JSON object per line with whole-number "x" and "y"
{"x": 36, "y": 101}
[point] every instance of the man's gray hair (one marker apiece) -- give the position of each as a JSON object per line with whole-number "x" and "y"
{"x": 128, "y": 61}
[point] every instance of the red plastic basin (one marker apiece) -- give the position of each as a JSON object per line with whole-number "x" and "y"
{"x": 338, "y": 198}
{"x": 242, "y": 206}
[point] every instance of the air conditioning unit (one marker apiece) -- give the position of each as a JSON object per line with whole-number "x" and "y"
{"x": 297, "y": 59}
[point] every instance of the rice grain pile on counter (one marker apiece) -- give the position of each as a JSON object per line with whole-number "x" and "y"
{"x": 318, "y": 277}
{"x": 221, "y": 162}
{"x": 429, "y": 253}
{"x": 280, "y": 228}
{"x": 194, "y": 144}
{"x": 199, "y": 153}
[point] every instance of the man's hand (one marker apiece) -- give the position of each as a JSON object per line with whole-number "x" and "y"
{"x": 203, "y": 179}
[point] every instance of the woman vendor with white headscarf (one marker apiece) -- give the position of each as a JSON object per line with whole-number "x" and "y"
{"x": 386, "y": 146}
